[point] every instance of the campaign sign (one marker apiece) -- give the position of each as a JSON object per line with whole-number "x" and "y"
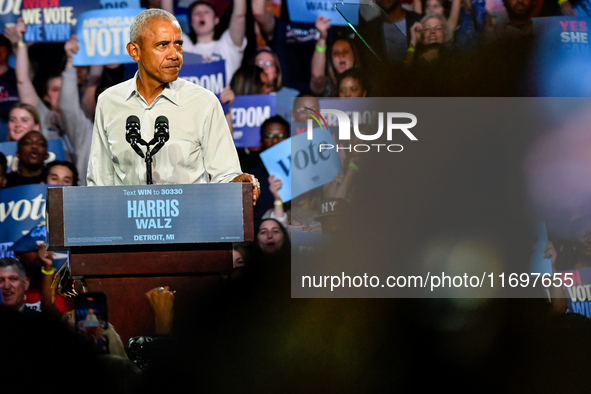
{"x": 578, "y": 296}
{"x": 53, "y": 20}
{"x": 566, "y": 33}
{"x": 582, "y": 9}
{"x": 21, "y": 209}
{"x": 248, "y": 114}
{"x": 153, "y": 214}
{"x": 103, "y": 36}
{"x": 55, "y": 149}
{"x": 299, "y": 163}
{"x": 562, "y": 43}
{"x": 32, "y": 239}
{"x": 210, "y": 76}
{"x": 308, "y": 10}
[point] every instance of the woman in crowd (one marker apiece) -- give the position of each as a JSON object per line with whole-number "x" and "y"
{"x": 272, "y": 239}
{"x": 203, "y": 20}
{"x": 266, "y": 59}
{"x": 465, "y": 18}
{"x": 352, "y": 84}
{"x": 342, "y": 57}
{"x": 250, "y": 79}
{"x": 22, "y": 118}
{"x": 429, "y": 37}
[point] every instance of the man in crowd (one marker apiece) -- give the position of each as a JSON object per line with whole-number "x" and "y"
{"x": 518, "y": 23}
{"x": 14, "y": 283}
{"x": 61, "y": 173}
{"x": 200, "y": 150}
{"x": 31, "y": 153}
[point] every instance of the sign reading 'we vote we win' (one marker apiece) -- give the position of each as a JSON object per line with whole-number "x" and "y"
{"x": 53, "y": 20}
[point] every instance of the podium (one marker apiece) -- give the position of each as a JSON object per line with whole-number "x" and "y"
{"x": 126, "y": 240}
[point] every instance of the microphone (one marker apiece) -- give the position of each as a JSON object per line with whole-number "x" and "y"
{"x": 132, "y": 134}
{"x": 161, "y": 129}
{"x": 160, "y": 133}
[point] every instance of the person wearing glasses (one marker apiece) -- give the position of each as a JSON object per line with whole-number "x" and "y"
{"x": 266, "y": 59}
{"x": 273, "y": 131}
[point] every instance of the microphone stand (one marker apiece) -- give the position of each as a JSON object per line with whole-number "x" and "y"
{"x": 148, "y": 157}
{"x": 148, "y": 166}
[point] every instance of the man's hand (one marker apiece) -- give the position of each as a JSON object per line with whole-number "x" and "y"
{"x": 256, "y": 186}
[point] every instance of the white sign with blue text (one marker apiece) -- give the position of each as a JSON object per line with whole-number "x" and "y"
{"x": 300, "y": 164}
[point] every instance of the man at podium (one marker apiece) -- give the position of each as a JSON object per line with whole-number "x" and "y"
{"x": 200, "y": 148}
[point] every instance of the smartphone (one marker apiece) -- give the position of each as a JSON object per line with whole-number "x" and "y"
{"x": 92, "y": 320}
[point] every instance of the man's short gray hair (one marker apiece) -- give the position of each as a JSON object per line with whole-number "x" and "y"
{"x": 143, "y": 18}
{"x": 6, "y": 262}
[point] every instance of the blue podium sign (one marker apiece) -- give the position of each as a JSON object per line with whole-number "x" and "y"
{"x": 153, "y": 214}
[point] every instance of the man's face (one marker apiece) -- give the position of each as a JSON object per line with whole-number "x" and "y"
{"x": 32, "y": 149}
{"x": 52, "y": 96}
{"x": 160, "y": 55}
{"x": 60, "y": 175}
{"x": 388, "y": 5}
{"x": 270, "y": 237}
{"x": 203, "y": 20}
{"x": 273, "y": 134}
{"x": 520, "y": 9}
{"x": 13, "y": 286}
{"x": 309, "y": 102}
